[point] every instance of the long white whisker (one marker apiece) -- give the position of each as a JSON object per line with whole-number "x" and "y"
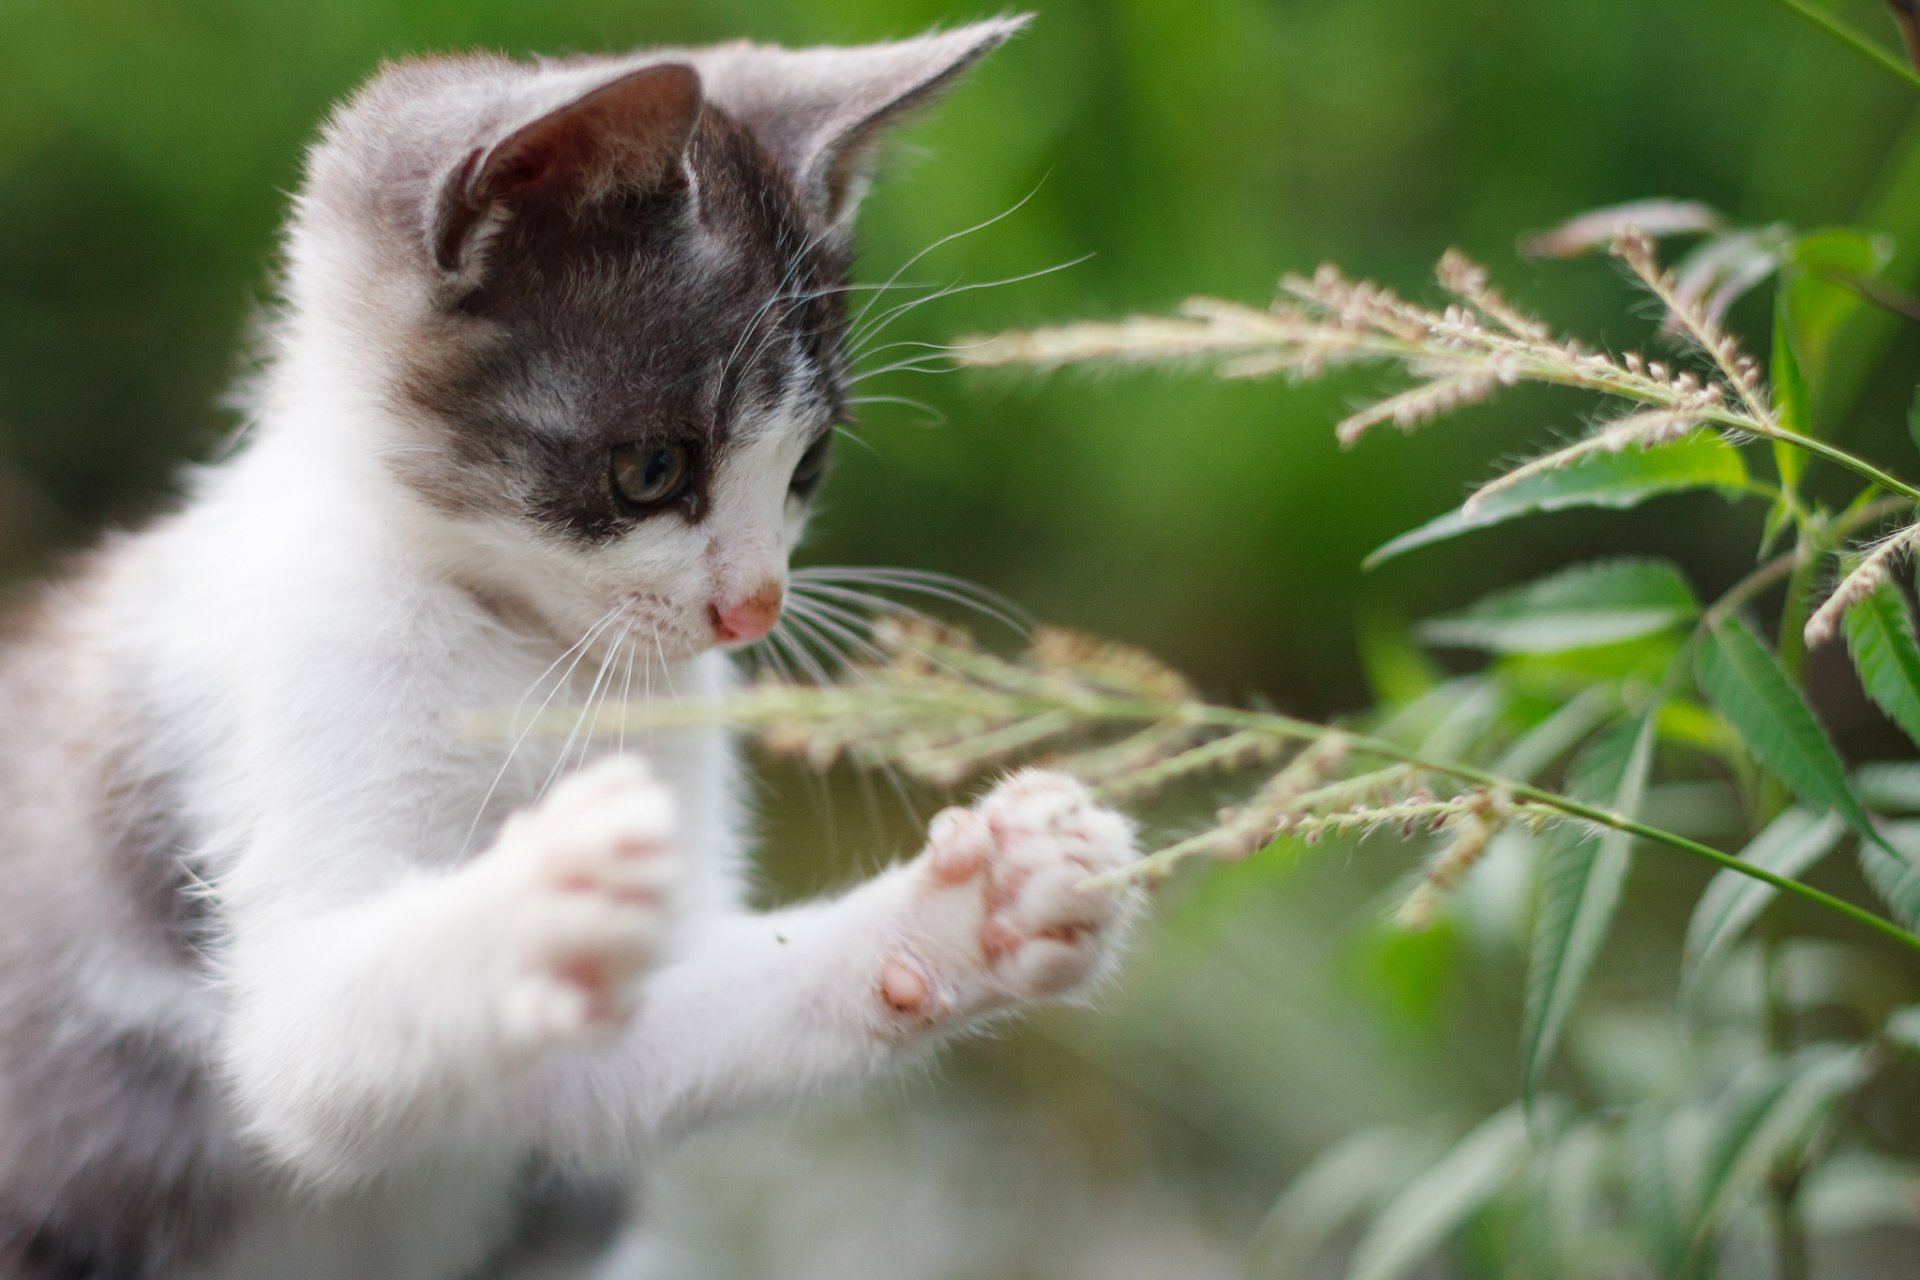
{"x": 626, "y": 702}
{"x": 878, "y": 326}
{"x": 811, "y": 628}
{"x": 840, "y": 582}
{"x": 579, "y": 649}
{"x": 586, "y": 708}
{"x": 934, "y": 416}
{"x": 860, "y": 320}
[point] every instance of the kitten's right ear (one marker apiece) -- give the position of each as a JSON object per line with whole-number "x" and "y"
{"x": 630, "y": 133}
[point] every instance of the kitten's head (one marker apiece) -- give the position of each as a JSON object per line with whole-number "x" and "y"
{"x": 598, "y": 309}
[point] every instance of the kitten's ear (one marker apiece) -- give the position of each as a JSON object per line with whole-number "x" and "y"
{"x": 823, "y": 111}
{"x": 630, "y": 132}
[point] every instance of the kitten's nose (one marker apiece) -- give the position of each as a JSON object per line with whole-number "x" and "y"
{"x": 747, "y": 619}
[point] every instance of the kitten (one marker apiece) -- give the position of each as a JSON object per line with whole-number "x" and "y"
{"x": 299, "y": 977}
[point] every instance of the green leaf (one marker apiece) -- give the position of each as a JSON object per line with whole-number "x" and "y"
{"x": 1667, "y": 1153}
{"x": 1557, "y": 734}
{"x": 1397, "y": 670}
{"x": 1793, "y": 401}
{"x": 1903, "y": 1028}
{"x": 1855, "y": 1191}
{"x": 1614, "y": 480}
{"x": 1769, "y": 1117}
{"x": 1747, "y": 686}
{"x": 1605, "y": 602}
{"x": 1791, "y": 843}
{"x": 1816, "y": 279}
{"x": 1880, "y": 636}
{"x": 1889, "y": 786}
{"x": 1580, "y": 880}
{"x": 1430, "y": 1207}
{"x": 1892, "y": 867}
{"x": 1341, "y": 1186}
{"x": 1813, "y": 305}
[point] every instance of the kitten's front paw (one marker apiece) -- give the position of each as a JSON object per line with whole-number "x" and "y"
{"x": 577, "y": 889}
{"x": 996, "y": 911}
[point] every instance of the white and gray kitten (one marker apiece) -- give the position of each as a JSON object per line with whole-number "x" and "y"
{"x": 299, "y": 978}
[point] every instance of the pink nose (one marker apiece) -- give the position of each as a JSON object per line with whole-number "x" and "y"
{"x": 747, "y": 619}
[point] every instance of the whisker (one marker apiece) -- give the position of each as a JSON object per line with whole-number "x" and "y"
{"x": 771, "y": 654}
{"x": 919, "y": 364}
{"x": 934, "y": 416}
{"x": 887, "y": 771}
{"x": 880, "y": 325}
{"x": 626, "y": 700}
{"x": 581, "y": 646}
{"x": 958, "y": 591}
{"x": 586, "y": 706}
{"x": 860, "y": 320}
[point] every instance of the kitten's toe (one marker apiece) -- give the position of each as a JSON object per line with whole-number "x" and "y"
{"x": 1000, "y": 909}
{"x": 582, "y": 882}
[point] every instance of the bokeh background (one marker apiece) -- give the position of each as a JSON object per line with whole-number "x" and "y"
{"x": 1204, "y": 146}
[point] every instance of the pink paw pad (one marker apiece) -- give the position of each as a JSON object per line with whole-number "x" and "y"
{"x": 1003, "y": 912}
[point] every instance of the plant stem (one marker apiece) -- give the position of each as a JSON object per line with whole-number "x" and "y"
{"x": 1229, "y": 717}
{"x": 1855, "y": 40}
{"x": 784, "y": 706}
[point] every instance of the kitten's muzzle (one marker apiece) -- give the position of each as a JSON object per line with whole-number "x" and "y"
{"x": 747, "y": 619}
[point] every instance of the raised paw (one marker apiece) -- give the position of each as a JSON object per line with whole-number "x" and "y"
{"x": 576, "y": 889}
{"x": 998, "y": 909}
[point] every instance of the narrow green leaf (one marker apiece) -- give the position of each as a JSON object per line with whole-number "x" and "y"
{"x": 1818, "y": 274}
{"x": 1342, "y": 1186}
{"x": 1581, "y": 876}
{"x": 1791, "y": 398}
{"x": 1747, "y": 686}
{"x": 1791, "y": 843}
{"x": 1854, "y": 1191}
{"x": 1570, "y": 1196}
{"x": 1604, "y": 602}
{"x": 1892, "y": 867}
{"x": 1556, "y": 735}
{"x": 1879, "y": 634}
{"x": 1889, "y": 786}
{"x": 1903, "y": 1028}
{"x": 1667, "y": 1155}
{"x": 1430, "y": 1207}
{"x": 1769, "y": 1116}
{"x": 1614, "y": 480}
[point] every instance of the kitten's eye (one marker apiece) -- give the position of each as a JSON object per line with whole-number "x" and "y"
{"x": 648, "y": 475}
{"x": 812, "y": 466}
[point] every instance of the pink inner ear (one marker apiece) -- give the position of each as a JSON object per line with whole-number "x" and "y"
{"x": 629, "y": 133}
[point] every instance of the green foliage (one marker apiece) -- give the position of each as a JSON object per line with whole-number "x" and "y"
{"x": 1766, "y": 1121}
{"x": 1747, "y": 685}
{"x": 1581, "y": 876}
{"x": 1879, "y": 633}
{"x": 1790, "y": 845}
{"x": 1614, "y": 481}
{"x": 1436, "y": 1202}
{"x": 1589, "y": 605}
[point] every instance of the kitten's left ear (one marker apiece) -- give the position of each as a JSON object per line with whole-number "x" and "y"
{"x": 631, "y": 131}
{"x": 823, "y": 111}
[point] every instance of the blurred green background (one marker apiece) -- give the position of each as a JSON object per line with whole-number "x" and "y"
{"x": 1205, "y": 146}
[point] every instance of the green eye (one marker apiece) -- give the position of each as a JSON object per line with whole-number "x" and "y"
{"x": 812, "y": 465}
{"x": 648, "y": 475}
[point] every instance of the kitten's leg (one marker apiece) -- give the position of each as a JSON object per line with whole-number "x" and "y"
{"x": 367, "y": 1036}
{"x": 775, "y": 1007}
